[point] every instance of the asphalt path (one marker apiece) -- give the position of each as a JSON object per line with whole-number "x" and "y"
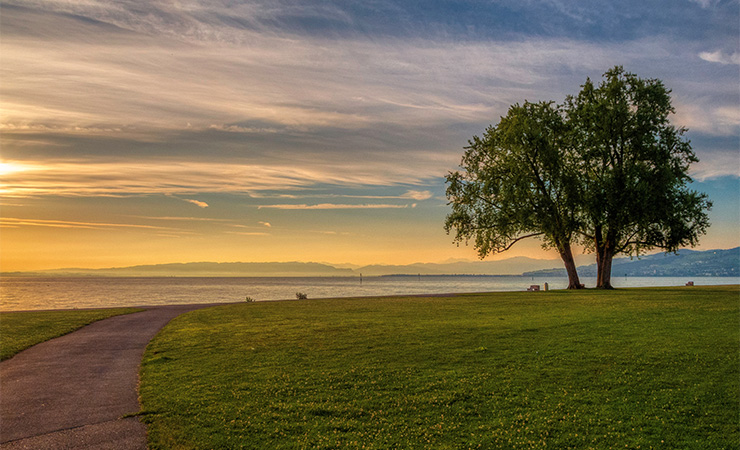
{"x": 79, "y": 391}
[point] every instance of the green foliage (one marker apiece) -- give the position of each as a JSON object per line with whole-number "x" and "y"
{"x": 516, "y": 183}
{"x": 20, "y": 330}
{"x": 301, "y": 296}
{"x": 249, "y": 299}
{"x": 634, "y": 165}
{"x": 634, "y": 368}
{"x": 607, "y": 168}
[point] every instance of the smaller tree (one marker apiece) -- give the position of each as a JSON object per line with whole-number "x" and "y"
{"x": 517, "y": 182}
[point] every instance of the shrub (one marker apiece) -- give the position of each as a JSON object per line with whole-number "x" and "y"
{"x": 301, "y": 296}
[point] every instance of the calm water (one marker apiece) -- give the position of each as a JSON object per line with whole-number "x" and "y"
{"x": 65, "y": 293}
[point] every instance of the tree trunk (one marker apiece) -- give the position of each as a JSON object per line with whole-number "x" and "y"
{"x": 570, "y": 266}
{"x": 604, "y": 256}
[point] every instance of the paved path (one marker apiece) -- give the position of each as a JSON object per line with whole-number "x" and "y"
{"x": 72, "y": 392}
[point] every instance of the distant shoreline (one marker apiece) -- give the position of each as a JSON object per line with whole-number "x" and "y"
{"x": 423, "y": 275}
{"x": 685, "y": 263}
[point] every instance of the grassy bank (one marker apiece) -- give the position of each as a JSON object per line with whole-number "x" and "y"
{"x": 20, "y": 330}
{"x": 633, "y": 368}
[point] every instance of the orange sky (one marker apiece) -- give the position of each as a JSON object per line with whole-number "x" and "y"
{"x": 314, "y": 131}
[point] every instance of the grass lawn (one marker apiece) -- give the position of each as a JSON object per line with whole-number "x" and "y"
{"x": 632, "y": 368}
{"x": 20, "y": 330}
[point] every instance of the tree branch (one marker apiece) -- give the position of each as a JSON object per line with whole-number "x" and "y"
{"x": 519, "y": 239}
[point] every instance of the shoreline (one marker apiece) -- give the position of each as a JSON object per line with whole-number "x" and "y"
{"x": 361, "y": 297}
{"x": 27, "y": 275}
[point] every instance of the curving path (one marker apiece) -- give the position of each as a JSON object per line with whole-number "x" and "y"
{"x": 73, "y": 392}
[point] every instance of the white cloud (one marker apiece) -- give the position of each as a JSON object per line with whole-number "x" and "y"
{"x": 266, "y": 224}
{"x": 720, "y": 57}
{"x": 718, "y": 164}
{"x": 418, "y": 195}
{"x": 197, "y": 203}
{"x": 707, "y": 117}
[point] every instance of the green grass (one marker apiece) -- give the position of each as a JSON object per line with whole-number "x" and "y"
{"x": 632, "y": 368}
{"x": 20, "y": 330}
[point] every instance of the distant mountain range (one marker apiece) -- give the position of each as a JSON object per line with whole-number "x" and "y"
{"x": 511, "y": 266}
{"x": 685, "y": 263}
{"x": 212, "y": 269}
{"x": 710, "y": 263}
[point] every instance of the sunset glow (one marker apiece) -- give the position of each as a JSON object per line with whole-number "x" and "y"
{"x": 141, "y": 133}
{"x": 7, "y": 168}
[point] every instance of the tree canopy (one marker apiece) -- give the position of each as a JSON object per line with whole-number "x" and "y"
{"x": 605, "y": 169}
{"x": 634, "y": 170}
{"x": 517, "y": 183}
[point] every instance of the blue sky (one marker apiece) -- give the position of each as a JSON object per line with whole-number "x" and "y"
{"x": 156, "y": 131}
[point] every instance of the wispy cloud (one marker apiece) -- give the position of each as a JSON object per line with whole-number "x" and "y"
{"x": 704, "y": 3}
{"x": 16, "y": 222}
{"x": 248, "y": 233}
{"x": 335, "y": 206}
{"x": 130, "y": 178}
{"x": 331, "y": 232}
{"x": 411, "y": 194}
{"x": 311, "y": 105}
{"x": 184, "y": 219}
{"x": 724, "y": 163}
{"x": 165, "y": 82}
{"x": 716, "y": 120}
{"x": 258, "y": 230}
{"x": 150, "y": 85}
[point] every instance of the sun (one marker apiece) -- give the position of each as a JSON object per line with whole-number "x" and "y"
{"x": 8, "y": 168}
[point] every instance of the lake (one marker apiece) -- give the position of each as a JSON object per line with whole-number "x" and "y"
{"x": 32, "y": 293}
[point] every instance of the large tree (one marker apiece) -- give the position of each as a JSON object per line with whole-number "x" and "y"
{"x": 516, "y": 183}
{"x": 633, "y": 170}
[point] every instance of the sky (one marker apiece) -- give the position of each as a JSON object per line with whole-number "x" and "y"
{"x": 159, "y": 131}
